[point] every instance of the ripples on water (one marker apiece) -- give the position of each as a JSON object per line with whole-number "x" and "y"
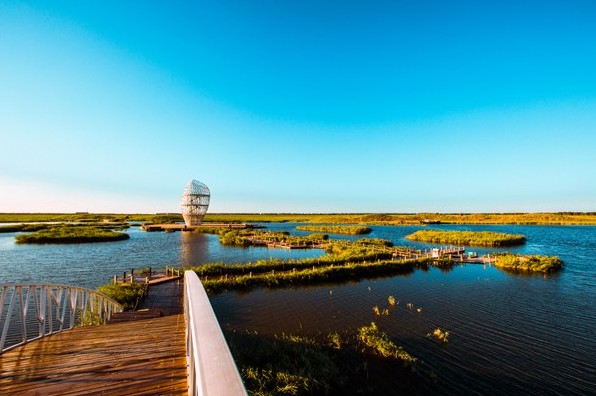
{"x": 510, "y": 334}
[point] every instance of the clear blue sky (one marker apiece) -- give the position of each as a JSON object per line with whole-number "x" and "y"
{"x": 298, "y": 106}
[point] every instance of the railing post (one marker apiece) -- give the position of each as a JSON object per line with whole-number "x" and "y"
{"x": 49, "y": 304}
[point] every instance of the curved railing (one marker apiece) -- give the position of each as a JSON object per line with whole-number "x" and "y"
{"x": 32, "y": 311}
{"x": 211, "y": 368}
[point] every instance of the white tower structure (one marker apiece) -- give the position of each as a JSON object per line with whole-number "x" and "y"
{"x": 195, "y": 202}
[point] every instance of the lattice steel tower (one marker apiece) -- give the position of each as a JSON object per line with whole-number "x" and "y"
{"x": 195, "y": 202}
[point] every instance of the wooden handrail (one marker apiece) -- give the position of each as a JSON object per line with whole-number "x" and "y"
{"x": 211, "y": 368}
{"x": 48, "y": 309}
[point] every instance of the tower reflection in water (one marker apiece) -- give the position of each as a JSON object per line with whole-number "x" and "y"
{"x": 194, "y": 248}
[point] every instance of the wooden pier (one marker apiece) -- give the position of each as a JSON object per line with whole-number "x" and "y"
{"x": 135, "y": 353}
{"x": 131, "y": 358}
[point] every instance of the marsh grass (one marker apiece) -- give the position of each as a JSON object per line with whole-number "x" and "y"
{"x": 25, "y": 227}
{"x": 412, "y": 218}
{"x": 323, "y": 364}
{"x": 535, "y": 263}
{"x": 345, "y": 255}
{"x": 284, "y": 365}
{"x": 440, "y": 335}
{"x": 480, "y": 238}
{"x": 336, "y": 229}
{"x": 307, "y": 276}
{"x": 378, "y": 343}
{"x": 64, "y": 234}
{"x": 357, "y": 218}
{"x": 126, "y": 294}
{"x": 71, "y": 217}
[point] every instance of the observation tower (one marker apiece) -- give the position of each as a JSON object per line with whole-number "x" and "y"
{"x": 195, "y": 202}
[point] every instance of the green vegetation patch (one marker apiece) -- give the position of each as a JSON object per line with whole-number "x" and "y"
{"x": 322, "y": 364}
{"x": 306, "y": 276}
{"x": 248, "y": 237}
{"x": 25, "y": 227}
{"x": 126, "y": 294}
{"x": 362, "y": 218}
{"x": 64, "y": 234}
{"x": 515, "y": 263}
{"x": 378, "y": 343}
{"x": 475, "y": 238}
{"x": 336, "y": 229}
{"x": 284, "y": 364}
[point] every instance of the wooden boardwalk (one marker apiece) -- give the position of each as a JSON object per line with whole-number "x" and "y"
{"x": 144, "y": 357}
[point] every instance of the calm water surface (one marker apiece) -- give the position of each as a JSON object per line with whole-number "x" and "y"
{"x": 510, "y": 334}
{"x": 94, "y": 264}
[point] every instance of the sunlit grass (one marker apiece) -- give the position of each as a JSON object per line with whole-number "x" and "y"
{"x": 535, "y": 263}
{"x": 336, "y": 229}
{"x": 378, "y": 343}
{"x": 476, "y": 238}
{"x": 64, "y": 234}
{"x": 440, "y": 335}
{"x": 126, "y": 294}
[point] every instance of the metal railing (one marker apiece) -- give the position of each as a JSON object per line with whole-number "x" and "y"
{"x": 32, "y": 311}
{"x": 211, "y": 368}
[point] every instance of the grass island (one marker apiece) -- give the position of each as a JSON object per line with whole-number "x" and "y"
{"x": 336, "y": 229}
{"x": 472, "y": 238}
{"x": 516, "y": 263}
{"x": 64, "y": 234}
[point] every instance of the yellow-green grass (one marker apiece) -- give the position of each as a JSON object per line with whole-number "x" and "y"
{"x": 535, "y": 263}
{"x": 126, "y": 294}
{"x": 378, "y": 343}
{"x": 336, "y": 229}
{"x": 71, "y": 234}
{"x": 474, "y": 238}
{"x": 332, "y": 363}
{"x": 558, "y": 218}
{"x": 309, "y": 275}
{"x": 351, "y": 218}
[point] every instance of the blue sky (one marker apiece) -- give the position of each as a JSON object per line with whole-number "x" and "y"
{"x": 298, "y": 106}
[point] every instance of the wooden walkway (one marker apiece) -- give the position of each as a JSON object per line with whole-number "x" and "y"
{"x": 144, "y": 357}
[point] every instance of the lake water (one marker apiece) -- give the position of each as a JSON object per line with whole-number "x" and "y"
{"x": 509, "y": 334}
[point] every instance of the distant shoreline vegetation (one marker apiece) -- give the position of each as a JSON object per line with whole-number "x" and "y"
{"x": 553, "y": 218}
{"x": 556, "y": 218}
{"x": 336, "y": 229}
{"x": 65, "y": 234}
{"x": 471, "y": 238}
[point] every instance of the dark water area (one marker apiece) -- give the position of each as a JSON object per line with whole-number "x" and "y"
{"x": 509, "y": 333}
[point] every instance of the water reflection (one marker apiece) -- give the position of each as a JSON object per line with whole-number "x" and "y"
{"x": 194, "y": 248}
{"x": 510, "y": 333}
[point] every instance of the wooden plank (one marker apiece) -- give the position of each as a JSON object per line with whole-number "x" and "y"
{"x": 129, "y": 358}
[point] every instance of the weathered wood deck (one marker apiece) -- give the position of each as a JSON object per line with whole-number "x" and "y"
{"x": 131, "y": 358}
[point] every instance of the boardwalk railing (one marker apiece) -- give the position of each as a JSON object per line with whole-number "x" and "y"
{"x": 32, "y": 311}
{"x": 211, "y": 368}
